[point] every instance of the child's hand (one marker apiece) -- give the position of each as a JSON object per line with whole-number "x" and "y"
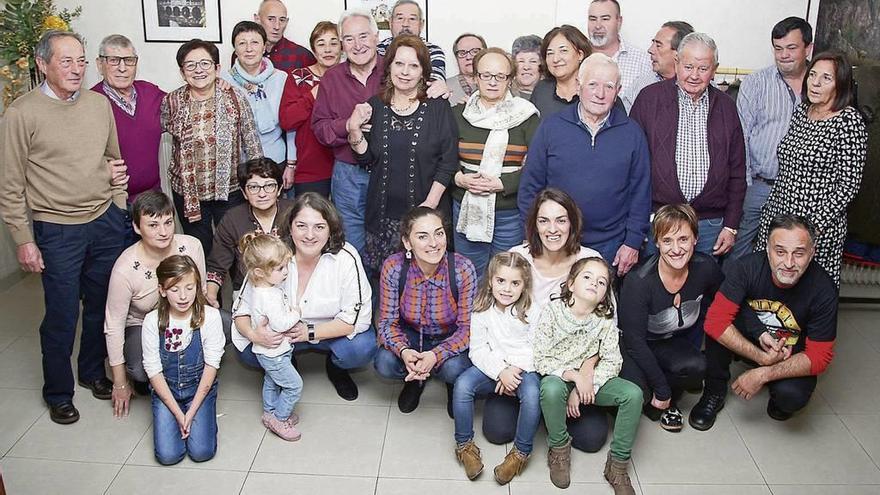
{"x": 510, "y": 377}
{"x": 584, "y": 389}
{"x": 573, "y": 406}
{"x": 188, "y": 420}
{"x": 183, "y": 424}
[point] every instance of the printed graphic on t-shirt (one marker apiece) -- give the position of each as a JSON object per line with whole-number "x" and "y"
{"x": 673, "y": 318}
{"x": 777, "y": 319}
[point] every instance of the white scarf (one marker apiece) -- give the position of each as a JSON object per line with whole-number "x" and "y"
{"x": 476, "y": 219}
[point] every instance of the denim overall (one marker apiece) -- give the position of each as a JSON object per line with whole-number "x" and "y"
{"x": 183, "y": 371}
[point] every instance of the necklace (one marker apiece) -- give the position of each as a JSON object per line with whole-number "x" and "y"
{"x": 405, "y": 109}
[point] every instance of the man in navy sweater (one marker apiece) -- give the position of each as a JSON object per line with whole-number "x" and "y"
{"x": 599, "y": 156}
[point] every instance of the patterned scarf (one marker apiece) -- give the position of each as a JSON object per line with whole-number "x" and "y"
{"x": 265, "y": 117}
{"x": 477, "y": 217}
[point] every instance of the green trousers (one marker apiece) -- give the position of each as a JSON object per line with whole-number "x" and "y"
{"x": 616, "y": 392}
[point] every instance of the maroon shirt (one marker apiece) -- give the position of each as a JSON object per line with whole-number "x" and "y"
{"x": 314, "y": 160}
{"x": 340, "y": 92}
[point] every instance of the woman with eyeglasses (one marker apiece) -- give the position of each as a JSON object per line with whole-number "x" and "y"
{"x": 465, "y": 48}
{"x": 263, "y": 85}
{"x": 494, "y": 131}
{"x": 408, "y": 143}
{"x": 260, "y": 182}
{"x": 212, "y": 130}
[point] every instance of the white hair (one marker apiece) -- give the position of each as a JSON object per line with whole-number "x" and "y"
{"x": 115, "y": 41}
{"x": 357, "y": 12}
{"x": 702, "y": 38}
{"x": 597, "y": 58}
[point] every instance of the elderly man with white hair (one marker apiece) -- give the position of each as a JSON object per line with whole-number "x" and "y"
{"x": 697, "y": 149}
{"x": 599, "y": 156}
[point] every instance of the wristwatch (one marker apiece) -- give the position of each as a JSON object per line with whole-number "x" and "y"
{"x": 312, "y": 338}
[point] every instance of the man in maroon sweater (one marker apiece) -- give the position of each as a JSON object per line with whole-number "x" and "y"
{"x": 778, "y": 309}
{"x": 697, "y": 148}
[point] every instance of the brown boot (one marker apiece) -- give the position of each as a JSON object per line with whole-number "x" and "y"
{"x": 469, "y": 455}
{"x": 617, "y": 476}
{"x": 513, "y": 464}
{"x": 559, "y": 460}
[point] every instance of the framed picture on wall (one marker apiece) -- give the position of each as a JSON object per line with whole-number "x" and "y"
{"x": 381, "y": 10}
{"x": 176, "y": 21}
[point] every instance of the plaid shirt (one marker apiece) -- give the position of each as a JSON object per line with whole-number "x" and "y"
{"x": 438, "y": 59}
{"x": 427, "y": 307}
{"x": 287, "y": 55}
{"x": 633, "y": 63}
{"x": 692, "y": 144}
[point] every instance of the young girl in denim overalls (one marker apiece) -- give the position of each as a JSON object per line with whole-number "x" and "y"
{"x": 182, "y": 343}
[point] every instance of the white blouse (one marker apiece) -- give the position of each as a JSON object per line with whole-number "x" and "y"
{"x": 213, "y": 340}
{"x": 499, "y": 339}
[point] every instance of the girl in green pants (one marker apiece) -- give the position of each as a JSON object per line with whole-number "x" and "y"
{"x": 575, "y": 347}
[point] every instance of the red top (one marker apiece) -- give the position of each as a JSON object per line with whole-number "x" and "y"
{"x": 314, "y": 161}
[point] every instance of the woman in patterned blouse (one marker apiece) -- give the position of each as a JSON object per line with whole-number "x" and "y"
{"x": 821, "y": 159}
{"x": 425, "y": 299}
{"x": 213, "y": 130}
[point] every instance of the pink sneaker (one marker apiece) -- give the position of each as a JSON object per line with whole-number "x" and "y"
{"x": 284, "y": 429}
{"x": 294, "y": 418}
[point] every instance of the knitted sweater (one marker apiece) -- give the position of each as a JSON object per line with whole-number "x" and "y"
{"x": 53, "y": 161}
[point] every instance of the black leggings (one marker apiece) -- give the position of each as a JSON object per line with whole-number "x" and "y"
{"x": 212, "y": 213}
{"x": 683, "y": 365}
{"x": 500, "y": 413}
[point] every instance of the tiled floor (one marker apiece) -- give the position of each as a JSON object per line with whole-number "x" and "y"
{"x": 369, "y": 447}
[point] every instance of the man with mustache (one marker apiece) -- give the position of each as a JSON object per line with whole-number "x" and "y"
{"x": 57, "y": 142}
{"x": 778, "y": 309}
{"x": 603, "y": 30}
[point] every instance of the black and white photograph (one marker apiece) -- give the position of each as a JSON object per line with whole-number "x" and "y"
{"x": 381, "y": 11}
{"x": 181, "y": 20}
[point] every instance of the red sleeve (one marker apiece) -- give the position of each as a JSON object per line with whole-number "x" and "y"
{"x": 720, "y": 315}
{"x": 820, "y": 354}
{"x": 296, "y": 105}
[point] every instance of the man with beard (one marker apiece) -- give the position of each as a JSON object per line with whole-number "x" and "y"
{"x": 766, "y": 100}
{"x": 603, "y": 30}
{"x": 778, "y": 309}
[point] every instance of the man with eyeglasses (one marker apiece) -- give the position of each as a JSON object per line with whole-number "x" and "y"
{"x": 465, "y": 48}
{"x": 599, "y": 156}
{"x": 136, "y": 106}
{"x": 56, "y": 142}
{"x": 698, "y": 154}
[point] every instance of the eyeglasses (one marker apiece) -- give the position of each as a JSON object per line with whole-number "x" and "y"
{"x": 203, "y": 64}
{"x": 65, "y": 63}
{"x": 114, "y": 61}
{"x": 269, "y": 187}
{"x": 485, "y": 76}
{"x": 464, "y": 53}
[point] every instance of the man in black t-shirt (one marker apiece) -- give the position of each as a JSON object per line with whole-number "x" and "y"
{"x": 787, "y": 325}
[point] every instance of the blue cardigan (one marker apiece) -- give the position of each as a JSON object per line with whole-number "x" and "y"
{"x": 609, "y": 177}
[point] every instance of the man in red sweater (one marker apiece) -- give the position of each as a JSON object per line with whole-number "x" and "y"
{"x": 778, "y": 309}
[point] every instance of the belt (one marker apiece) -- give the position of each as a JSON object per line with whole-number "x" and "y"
{"x": 769, "y": 182}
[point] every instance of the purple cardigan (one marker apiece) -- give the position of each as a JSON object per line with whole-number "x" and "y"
{"x": 656, "y": 110}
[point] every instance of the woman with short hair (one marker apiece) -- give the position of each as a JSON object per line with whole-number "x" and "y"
{"x": 526, "y": 52}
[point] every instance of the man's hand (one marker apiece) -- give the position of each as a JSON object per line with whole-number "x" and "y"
{"x": 30, "y": 258}
{"x": 118, "y": 172}
{"x": 437, "y": 89}
{"x": 287, "y": 176}
{"x": 724, "y": 243}
{"x": 625, "y": 259}
{"x": 749, "y": 383}
{"x": 211, "y": 295}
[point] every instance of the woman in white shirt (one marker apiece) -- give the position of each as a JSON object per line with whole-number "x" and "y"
{"x": 328, "y": 283}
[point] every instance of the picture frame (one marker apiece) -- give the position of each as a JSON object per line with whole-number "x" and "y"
{"x": 178, "y": 21}
{"x": 381, "y": 10}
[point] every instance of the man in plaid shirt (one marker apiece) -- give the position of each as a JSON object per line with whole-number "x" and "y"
{"x": 284, "y": 54}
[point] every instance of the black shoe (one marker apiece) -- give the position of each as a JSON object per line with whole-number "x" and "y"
{"x": 409, "y": 397}
{"x": 703, "y": 414}
{"x": 341, "y": 380}
{"x": 776, "y": 413}
{"x": 101, "y": 388}
{"x": 64, "y": 413}
{"x": 140, "y": 388}
{"x": 651, "y": 412}
{"x": 449, "y": 388}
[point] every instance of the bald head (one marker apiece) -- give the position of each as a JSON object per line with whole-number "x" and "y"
{"x": 272, "y": 15}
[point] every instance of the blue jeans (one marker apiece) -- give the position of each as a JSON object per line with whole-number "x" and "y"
{"x": 756, "y": 196}
{"x": 474, "y": 382}
{"x": 344, "y": 353}
{"x": 78, "y": 261}
{"x": 389, "y": 366}
{"x": 709, "y": 229}
{"x": 348, "y": 188}
{"x": 508, "y": 233}
{"x": 282, "y": 385}
{"x": 182, "y": 372}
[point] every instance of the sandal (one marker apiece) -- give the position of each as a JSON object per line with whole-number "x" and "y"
{"x": 672, "y": 419}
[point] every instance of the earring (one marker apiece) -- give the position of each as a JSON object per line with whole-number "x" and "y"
{"x": 408, "y": 254}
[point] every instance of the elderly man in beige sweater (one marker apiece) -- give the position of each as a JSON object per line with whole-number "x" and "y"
{"x": 56, "y": 144}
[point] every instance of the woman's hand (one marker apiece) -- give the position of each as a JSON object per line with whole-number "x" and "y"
{"x": 120, "y": 397}
{"x": 298, "y": 333}
{"x": 573, "y": 406}
{"x": 510, "y": 377}
{"x": 426, "y": 362}
{"x": 264, "y": 336}
{"x": 287, "y": 177}
{"x": 660, "y": 404}
{"x": 410, "y": 358}
{"x": 360, "y": 116}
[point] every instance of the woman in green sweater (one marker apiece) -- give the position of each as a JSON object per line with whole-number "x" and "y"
{"x": 494, "y": 129}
